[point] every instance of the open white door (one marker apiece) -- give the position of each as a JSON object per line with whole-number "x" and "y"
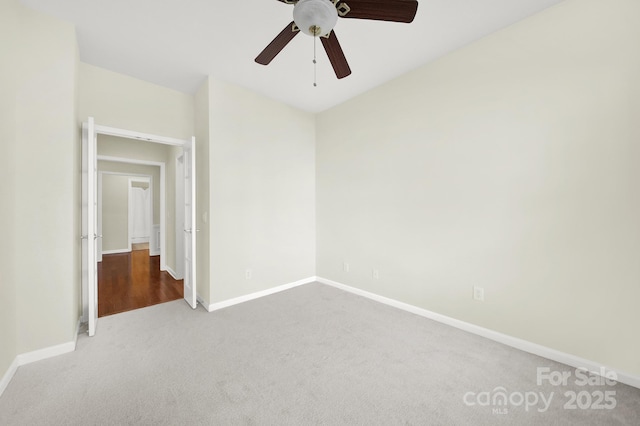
{"x": 179, "y": 184}
{"x": 89, "y": 224}
{"x": 189, "y": 160}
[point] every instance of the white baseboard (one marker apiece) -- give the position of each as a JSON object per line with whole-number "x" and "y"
{"x": 172, "y": 273}
{"x": 75, "y": 338}
{"x": 39, "y": 355}
{"x": 514, "y": 342}
{"x": 118, "y": 251}
{"x": 50, "y": 352}
{"x": 29, "y": 357}
{"x": 6, "y": 379}
{"x": 201, "y": 301}
{"x": 259, "y": 294}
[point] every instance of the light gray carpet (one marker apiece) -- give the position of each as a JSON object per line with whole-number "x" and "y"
{"x": 310, "y": 355}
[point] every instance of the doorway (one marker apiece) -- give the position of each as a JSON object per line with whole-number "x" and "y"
{"x": 89, "y": 214}
{"x": 124, "y": 173}
{"x": 129, "y": 266}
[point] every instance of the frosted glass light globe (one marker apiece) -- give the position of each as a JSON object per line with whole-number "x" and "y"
{"x": 315, "y": 17}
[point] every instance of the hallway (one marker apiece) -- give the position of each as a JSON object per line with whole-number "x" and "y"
{"x": 133, "y": 280}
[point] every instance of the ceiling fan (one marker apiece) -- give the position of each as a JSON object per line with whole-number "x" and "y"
{"x": 318, "y": 17}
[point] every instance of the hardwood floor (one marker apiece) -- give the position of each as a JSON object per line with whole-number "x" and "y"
{"x": 133, "y": 280}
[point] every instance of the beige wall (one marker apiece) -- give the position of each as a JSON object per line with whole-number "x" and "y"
{"x": 261, "y": 165}
{"x": 124, "y": 102}
{"x": 115, "y": 212}
{"x": 138, "y": 169}
{"x": 202, "y": 134}
{"x": 9, "y": 31}
{"x": 45, "y": 228}
{"x": 511, "y": 164}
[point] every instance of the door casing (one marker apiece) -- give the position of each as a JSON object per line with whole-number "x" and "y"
{"x": 128, "y": 134}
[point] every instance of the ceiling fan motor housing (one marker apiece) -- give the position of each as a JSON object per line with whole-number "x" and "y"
{"x": 315, "y": 17}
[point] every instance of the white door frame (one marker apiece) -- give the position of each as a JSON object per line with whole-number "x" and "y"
{"x": 129, "y": 134}
{"x": 89, "y": 225}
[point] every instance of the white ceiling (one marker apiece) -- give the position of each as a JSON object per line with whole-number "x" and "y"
{"x": 176, "y": 43}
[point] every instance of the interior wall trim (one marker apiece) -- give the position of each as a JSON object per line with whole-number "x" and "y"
{"x": 236, "y": 300}
{"x": 201, "y": 301}
{"x": 33, "y": 356}
{"x": 50, "y": 352}
{"x": 514, "y": 342}
{"x": 117, "y": 251}
{"x": 172, "y": 273}
{"x": 6, "y": 379}
{"x": 38, "y": 355}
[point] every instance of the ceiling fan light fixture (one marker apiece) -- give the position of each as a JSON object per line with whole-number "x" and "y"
{"x": 315, "y": 17}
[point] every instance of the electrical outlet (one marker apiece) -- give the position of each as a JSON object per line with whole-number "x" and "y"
{"x": 247, "y": 274}
{"x": 478, "y": 293}
{"x": 376, "y": 274}
{"x": 345, "y": 267}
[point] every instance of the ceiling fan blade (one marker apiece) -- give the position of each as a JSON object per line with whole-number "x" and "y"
{"x": 379, "y": 10}
{"x": 277, "y": 44}
{"x": 289, "y": 1}
{"x": 336, "y": 55}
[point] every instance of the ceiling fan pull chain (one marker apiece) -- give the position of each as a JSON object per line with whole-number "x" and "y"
{"x": 315, "y": 65}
